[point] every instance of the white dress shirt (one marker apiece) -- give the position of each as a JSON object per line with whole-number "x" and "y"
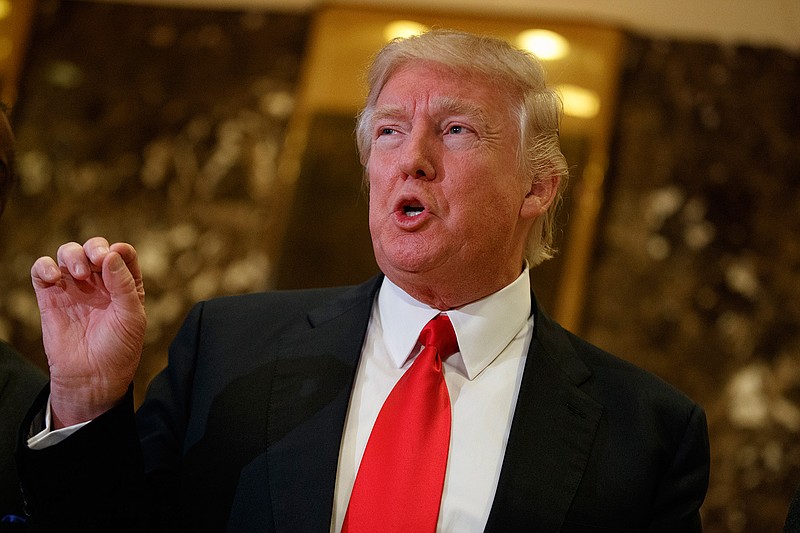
{"x": 483, "y": 380}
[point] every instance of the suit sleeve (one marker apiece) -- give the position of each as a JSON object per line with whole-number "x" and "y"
{"x": 684, "y": 484}
{"x": 119, "y": 472}
{"x": 89, "y": 481}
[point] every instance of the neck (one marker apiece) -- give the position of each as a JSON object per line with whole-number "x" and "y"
{"x": 452, "y": 292}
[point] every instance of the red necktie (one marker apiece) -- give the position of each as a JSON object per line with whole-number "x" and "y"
{"x": 399, "y": 483}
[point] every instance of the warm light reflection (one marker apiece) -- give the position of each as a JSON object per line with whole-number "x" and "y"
{"x": 402, "y": 28}
{"x": 6, "y": 46}
{"x": 544, "y": 44}
{"x": 5, "y": 8}
{"x": 64, "y": 74}
{"x": 578, "y": 101}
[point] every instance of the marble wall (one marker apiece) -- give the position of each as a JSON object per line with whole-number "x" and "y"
{"x": 161, "y": 127}
{"x": 164, "y": 127}
{"x": 697, "y": 272}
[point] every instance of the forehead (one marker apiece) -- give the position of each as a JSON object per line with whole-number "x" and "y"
{"x": 437, "y": 87}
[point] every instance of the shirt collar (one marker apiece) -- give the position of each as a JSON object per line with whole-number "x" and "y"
{"x": 483, "y": 328}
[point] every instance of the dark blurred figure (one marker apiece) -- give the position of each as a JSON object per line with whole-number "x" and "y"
{"x": 793, "y": 518}
{"x": 20, "y": 381}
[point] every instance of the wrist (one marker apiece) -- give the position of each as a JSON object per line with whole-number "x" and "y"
{"x": 73, "y": 404}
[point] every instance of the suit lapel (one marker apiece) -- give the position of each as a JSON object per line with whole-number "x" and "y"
{"x": 551, "y": 436}
{"x": 311, "y": 387}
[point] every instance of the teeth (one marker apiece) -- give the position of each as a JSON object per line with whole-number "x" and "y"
{"x": 413, "y": 211}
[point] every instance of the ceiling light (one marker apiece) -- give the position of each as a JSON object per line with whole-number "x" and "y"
{"x": 578, "y": 101}
{"x": 402, "y": 29}
{"x": 5, "y": 8}
{"x": 544, "y": 44}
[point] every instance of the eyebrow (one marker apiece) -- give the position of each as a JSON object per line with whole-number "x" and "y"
{"x": 445, "y": 105}
{"x": 387, "y": 112}
{"x": 454, "y": 106}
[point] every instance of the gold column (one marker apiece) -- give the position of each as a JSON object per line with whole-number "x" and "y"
{"x": 16, "y": 19}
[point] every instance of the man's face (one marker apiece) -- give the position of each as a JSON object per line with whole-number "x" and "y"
{"x": 6, "y": 150}
{"x": 446, "y": 192}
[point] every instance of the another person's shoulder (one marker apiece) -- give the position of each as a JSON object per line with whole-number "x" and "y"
{"x": 18, "y": 375}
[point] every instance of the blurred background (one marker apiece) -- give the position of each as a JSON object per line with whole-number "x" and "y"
{"x": 217, "y": 137}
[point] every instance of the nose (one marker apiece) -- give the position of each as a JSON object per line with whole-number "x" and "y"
{"x": 418, "y": 156}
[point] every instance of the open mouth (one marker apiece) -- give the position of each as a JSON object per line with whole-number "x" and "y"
{"x": 413, "y": 210}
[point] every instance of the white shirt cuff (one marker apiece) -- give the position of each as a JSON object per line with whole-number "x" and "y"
{"x": 50, "y": 437}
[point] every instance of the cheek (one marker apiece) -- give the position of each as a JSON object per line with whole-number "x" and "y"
{"x": 376, "y": 189}
{"x": 488, "y": 206}
{"x": 377, "y": 205}
{"x": 373, "y": 170}
{"x": 379, "y": 180}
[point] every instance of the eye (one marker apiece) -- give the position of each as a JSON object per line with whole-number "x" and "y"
{"x": 456, "y": 129}
{"x": 387, "y": 131}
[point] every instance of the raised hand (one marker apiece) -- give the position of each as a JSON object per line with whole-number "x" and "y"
{"x": 91, "y": 300}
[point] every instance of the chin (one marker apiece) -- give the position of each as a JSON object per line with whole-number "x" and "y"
{"x": 413, "y": 253}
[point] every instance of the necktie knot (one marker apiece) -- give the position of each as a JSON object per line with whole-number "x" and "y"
{"x": 440, "y": 334}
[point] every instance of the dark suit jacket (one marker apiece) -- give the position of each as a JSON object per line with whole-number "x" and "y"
{"x": 242, "y": 432}
{"x": 20, "y": 382}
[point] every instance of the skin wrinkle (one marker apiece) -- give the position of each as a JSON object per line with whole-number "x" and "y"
{"x": 453, "y": 112}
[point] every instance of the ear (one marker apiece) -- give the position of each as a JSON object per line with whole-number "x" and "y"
{"x": 540, "y": 196}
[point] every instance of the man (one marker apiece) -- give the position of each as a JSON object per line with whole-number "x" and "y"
{"x": 280, "y": 411}
{"x": 20, "y": 381}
